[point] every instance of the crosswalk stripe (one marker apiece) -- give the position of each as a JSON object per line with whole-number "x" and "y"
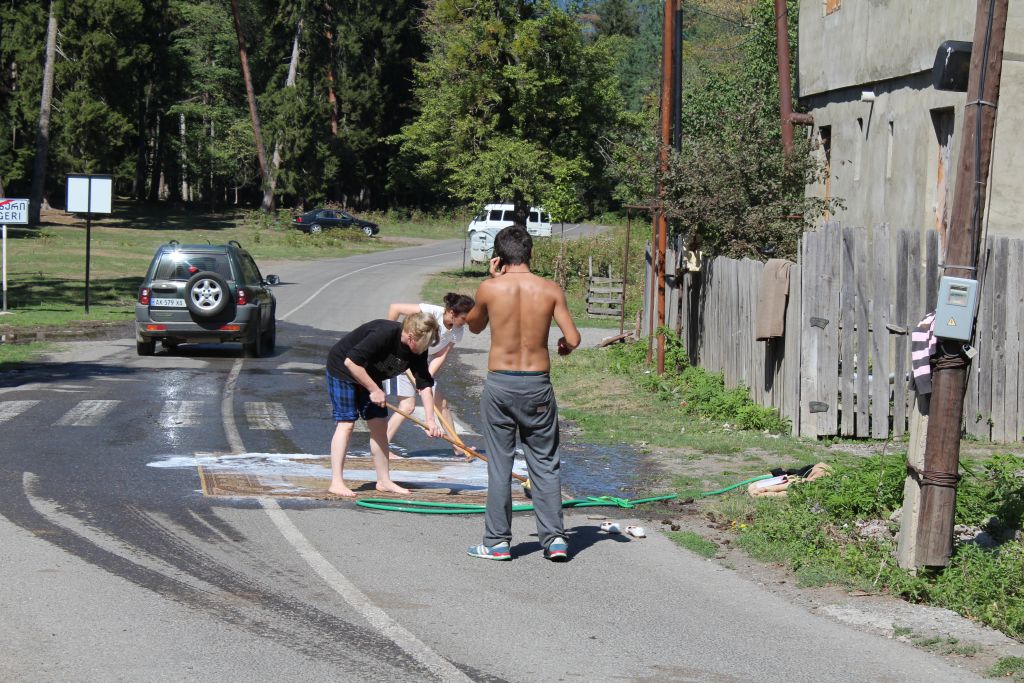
{"x": 87, "y": 413}
{"x": 9, "y": 409}
{"x": 266, "y": 415}
{"x": 180, "y": 414}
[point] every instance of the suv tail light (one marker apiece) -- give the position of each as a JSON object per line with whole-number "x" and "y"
{"x": 242, "y": 296}
{"x": 299, "y": 219}
{"x": 144, "y": 296}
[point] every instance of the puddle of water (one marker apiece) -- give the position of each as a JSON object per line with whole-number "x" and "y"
{"x": 587, "y": 469}
{"x": 594, "y": 470}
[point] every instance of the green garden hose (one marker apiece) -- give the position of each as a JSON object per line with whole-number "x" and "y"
{"x": 733, "y": 486}
{"x": 426, "y": 508}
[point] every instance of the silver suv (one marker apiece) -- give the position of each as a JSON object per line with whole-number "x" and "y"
{"x": 205, "y": 293}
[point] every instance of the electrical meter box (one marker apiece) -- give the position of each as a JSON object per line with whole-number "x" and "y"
{"x": 954, "y": 312}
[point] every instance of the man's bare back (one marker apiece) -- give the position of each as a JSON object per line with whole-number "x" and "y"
{"x": 520, "y": 307}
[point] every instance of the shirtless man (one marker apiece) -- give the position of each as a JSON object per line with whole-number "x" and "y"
{"x": 517, "y": 396}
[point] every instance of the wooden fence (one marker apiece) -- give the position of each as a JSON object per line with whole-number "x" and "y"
{"x": 604, "y": 294}
{"x": 855, "y": 295}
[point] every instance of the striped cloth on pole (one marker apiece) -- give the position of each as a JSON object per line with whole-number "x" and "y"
{"x": 923, "y": 346}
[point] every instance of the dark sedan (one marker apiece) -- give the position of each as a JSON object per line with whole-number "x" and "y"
{"x": 318, "y": 220}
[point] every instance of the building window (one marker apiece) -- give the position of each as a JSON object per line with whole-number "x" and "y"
{"x": 832, "y": 6}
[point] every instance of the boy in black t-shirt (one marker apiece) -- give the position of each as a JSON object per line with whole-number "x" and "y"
{"x": 356, "y": 367}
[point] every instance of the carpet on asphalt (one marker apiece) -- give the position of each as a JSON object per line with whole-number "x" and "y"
{"x": 302, "y": 475}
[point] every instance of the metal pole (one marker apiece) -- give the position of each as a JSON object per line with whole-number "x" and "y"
{"x": 625, "y": 274}
{"x": 5, "y": 266}
{"x": 667, "y": 109}
{"x": 88, "y": 239}
{"x": 785, "y": 89}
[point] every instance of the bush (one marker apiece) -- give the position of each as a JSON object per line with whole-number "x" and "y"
{"x": 700, "y": 393}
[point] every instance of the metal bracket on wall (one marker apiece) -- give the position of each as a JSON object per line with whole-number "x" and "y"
{"x": 818, "y": 407}
{"x": 819, "y": 322}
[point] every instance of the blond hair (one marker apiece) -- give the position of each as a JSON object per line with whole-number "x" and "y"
{"x": 422, "y": 327}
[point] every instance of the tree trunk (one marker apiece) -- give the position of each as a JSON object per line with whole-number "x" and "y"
{"x": 43, "y": 132}
{"x": 156, "y": 175}
{"x": 139, "y": 184}
{"x": 184, "y": 157}
{"x": 331, "y": 98}
{"x": 261, "y": 152}
{"x": 519, "y": 210}
{"x": 213, "y": 190}
{"x": 293, "y": 68}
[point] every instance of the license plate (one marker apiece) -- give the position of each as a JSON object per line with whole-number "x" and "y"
{"x": 168, "y": 303}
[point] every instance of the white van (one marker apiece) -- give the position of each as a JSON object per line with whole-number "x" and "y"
{"x": 538, "y": 222}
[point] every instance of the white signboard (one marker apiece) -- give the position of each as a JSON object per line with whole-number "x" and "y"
{"x": 13, "y": 211}
{"x": 89, "y": 193}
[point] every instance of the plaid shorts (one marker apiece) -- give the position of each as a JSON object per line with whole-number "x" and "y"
{"x": 351, "y": 401}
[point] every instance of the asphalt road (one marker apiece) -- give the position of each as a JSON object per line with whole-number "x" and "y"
{"x": 115, "y": 566}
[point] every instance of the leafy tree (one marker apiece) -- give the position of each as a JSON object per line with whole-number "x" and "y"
{"x": 731, "y": 188}
{"x": 510, "y": 92}
{"x": 617, "y": 18}
{"x": 210, "y": 102}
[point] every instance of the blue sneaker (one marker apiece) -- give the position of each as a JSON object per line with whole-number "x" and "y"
{"x": 557, "y": 550}
{"x": 499, "y": 551}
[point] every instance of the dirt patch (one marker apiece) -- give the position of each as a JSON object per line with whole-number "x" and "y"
{"x": 80, "y": 330}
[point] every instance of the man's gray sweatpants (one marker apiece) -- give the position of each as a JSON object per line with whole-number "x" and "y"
{"x": 523, "y": 405}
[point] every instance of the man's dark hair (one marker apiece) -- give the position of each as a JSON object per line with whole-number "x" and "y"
{"x": 513, "y": 245}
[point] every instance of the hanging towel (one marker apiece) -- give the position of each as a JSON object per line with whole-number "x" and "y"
{"x": 922, "y": 348}
{"x": 771, "y": 299}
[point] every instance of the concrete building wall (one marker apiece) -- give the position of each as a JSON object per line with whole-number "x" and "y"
{"x": 864, "y": 41}
{"x": 894, "y": 159}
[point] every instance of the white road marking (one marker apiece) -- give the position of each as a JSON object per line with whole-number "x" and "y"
{"x": 227, "y": 409}
{"x": 267, "y": 415}
{"x": 87, "y": 413}
{"x": 378, "y": 618}
{"x": 9, "y": 409}
{"x": 359, "y": 270}
{"x": 180, "y": 414}
{"x": 358, "y": 600}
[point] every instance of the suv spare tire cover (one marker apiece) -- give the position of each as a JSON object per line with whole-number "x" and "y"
{"x": 207, "y": 294}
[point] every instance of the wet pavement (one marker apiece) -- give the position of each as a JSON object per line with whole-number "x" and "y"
{"x": 587, "y": 469}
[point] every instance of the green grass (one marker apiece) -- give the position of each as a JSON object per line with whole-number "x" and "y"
{"x": 694, "y": 543}
{"x": 66, "y": 313}
{"x": 12, "y": 354}
{"x": 812, "y": 531}
{"x": 1011, "y": 668}
{"x": 612, "y": 407}
{"x": 459, "y": 281}
{"x": 46, "y": 264}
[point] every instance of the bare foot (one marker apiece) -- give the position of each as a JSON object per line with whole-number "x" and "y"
{"x": 342, "y": 490}
{"x": 390, "y": 487}
{"x": 392, "y": 456}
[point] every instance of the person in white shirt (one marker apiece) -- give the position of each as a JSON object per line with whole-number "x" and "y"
{"x": 451, "y": 319}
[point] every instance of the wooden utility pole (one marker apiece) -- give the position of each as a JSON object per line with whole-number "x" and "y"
{"x": 938, "y": 478}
